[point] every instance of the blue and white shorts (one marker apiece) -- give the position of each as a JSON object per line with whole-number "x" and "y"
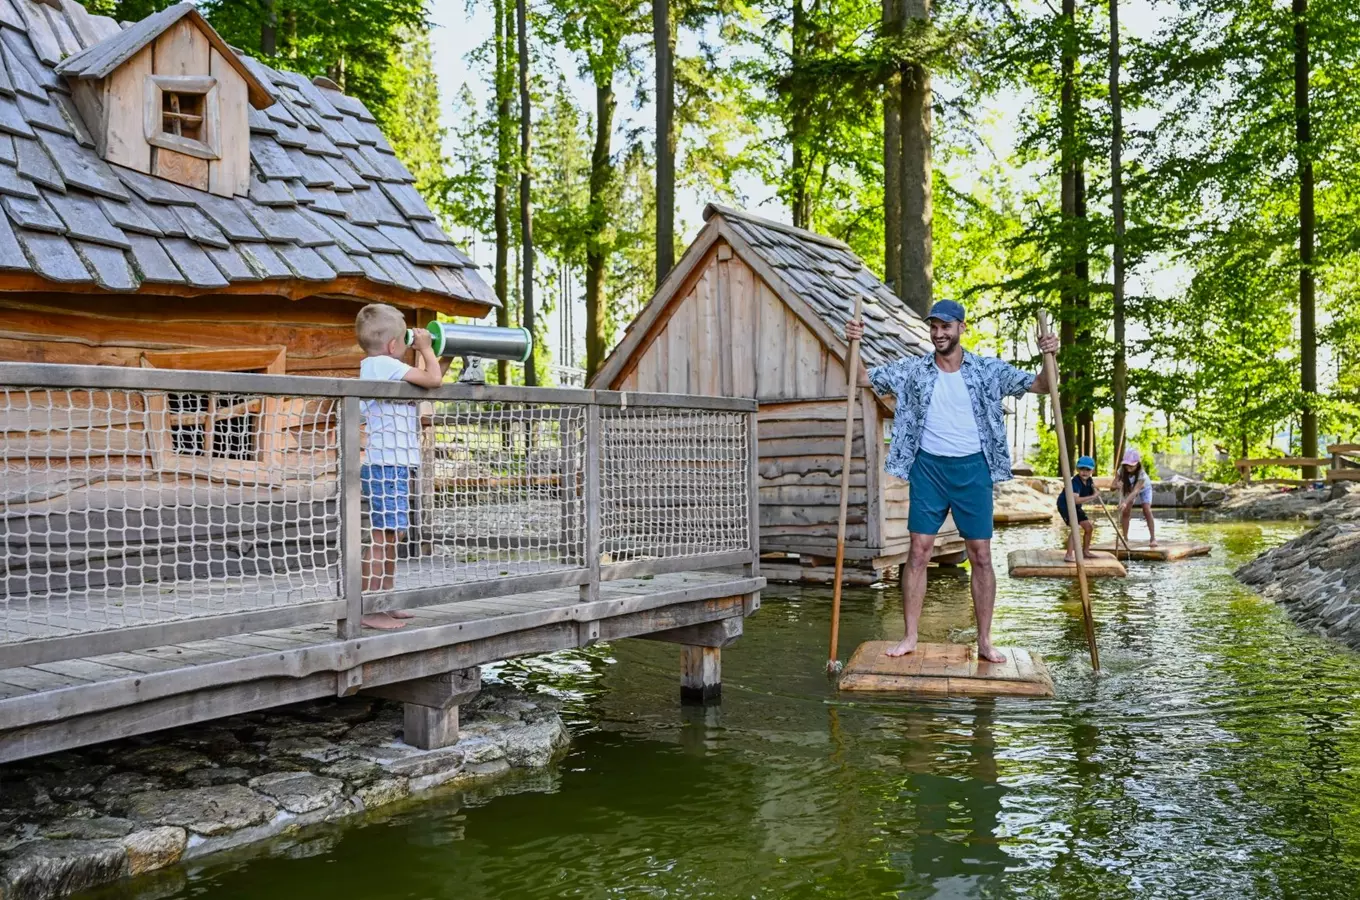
{"x": 387, "y": 496}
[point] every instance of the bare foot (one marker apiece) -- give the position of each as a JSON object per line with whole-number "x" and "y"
{"x": 382, "y": 621}
{"x": 991, "y": 654}
{"x": 1071, "y": 557}
{"x": 908, "y": 645}
{"x": 1152, "y": 542}
{"x": 401, "y": 614}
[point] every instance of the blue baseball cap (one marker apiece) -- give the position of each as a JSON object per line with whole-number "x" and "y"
{"x": 1086, "y": 462}
{"x": 947, "y": 311}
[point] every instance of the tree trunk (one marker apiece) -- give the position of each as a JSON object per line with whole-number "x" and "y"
{"x": 892, "y": 159}
{"x": 799, "y": 209}
{"x": 1086, "y": 426}
{"x": 601, "y": 173}
{"x": 1307, "y": 324}
{"x": 504, "y": 150}
{"x": 269, "y": 30}
{"x": 918, "y": 273}
{"x": 1119, "y": 400}
{"x": 526, "y": 229}
{"x": 665, "y": 138}
{"x": 1067, "y": 329}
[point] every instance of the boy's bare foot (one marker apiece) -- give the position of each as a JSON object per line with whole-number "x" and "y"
{"x": 401, "y": 614}
{"x": 991, "y": 654}
{"x": 908, "y": 645}
{"x": 1071, "y": 557}
{"x": 382, "y": 621}
{"x": 1152, "y": 542}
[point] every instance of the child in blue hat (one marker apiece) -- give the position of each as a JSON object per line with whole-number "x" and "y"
{"x": 1084, "y": 491}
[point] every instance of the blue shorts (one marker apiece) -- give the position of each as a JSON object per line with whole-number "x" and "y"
{"x": 940, "y": 484}
{"x": 387, "y": 494}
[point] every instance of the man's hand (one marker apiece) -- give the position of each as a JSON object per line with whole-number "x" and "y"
{"x": 1048, "y": 344}
{"x": 854, "y": 331}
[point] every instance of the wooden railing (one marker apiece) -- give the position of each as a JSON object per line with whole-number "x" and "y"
{"x": 144, "y": 507}
{"x": 1343, "y": 464}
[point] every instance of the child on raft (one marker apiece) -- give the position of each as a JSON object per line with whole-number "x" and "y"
{"x": 1135, "y": 487}
{"x": 1083, "y": 491}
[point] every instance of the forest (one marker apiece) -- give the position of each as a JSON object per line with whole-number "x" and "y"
{"x": 1182, "y": 199}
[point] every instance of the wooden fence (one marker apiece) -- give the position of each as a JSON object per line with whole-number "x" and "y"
{"x": 143, "y": 507}
{"x": 1343, "y": 464}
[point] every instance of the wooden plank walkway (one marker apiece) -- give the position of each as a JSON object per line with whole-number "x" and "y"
{"x": 1050, "y": 564}
{"x": 1165, "y": 551}
{"x": 949, "y": 669}
{"x": 53, "y": 706}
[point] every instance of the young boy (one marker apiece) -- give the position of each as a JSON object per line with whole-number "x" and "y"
{"x": 393, "y": 445}
{"x": 1083, "y": 491}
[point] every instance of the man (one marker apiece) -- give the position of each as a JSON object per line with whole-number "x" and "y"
{"x": 949, "y": 443}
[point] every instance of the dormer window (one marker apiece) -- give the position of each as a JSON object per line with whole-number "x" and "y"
{"x": 182, "y": 114}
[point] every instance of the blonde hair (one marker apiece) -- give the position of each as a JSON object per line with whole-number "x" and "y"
{"x": 376, "y": 325}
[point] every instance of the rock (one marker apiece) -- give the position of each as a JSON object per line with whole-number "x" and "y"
{"x": 380, "y": 793}
{"x": 42, "y": 869}
{"x": 477, "y": 749}
{"x": 299, "y": 792}
{"x": 428, "y": 762}
{"x": 535, "y": 745}
{"x": 488, "y": 769}
{"x": 354, "y": 772}
{"x": 126, "y": 783}
{"x": 163, "y": 760}
{"x": 207, "y": 811}
{"x": 94, "y": 829}
{"x": 312, "y": 747}
{"x": 1017, "y": 501}
{"x": 154, "y": 848}
{"x": 209, "y": 777}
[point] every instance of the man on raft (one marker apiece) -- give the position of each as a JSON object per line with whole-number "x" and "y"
{"x": 949, "y": 443}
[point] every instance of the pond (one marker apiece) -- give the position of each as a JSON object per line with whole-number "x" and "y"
{"x": 1218, "y": 755}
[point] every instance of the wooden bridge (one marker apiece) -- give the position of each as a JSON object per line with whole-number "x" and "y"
{"x": 182, "y": 546}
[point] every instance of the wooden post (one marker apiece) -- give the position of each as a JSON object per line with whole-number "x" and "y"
{"x": 430, "y": 715}
{"x": 590, "y": 591}
{"x": 700, "y": 674}
{"x": 1065, "y": 464}
{"x": 351, "y": 587}
{"x": 833, "y": 664}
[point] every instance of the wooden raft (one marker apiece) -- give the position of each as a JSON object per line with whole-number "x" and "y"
{"x": 1165, "y": 551}
{"x": 946, "y": 669}
{"x": 1050, "y": 564}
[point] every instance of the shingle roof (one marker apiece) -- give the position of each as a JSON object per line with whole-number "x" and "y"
{"x": 328, "y": 197}
{"x": 828, "y": 275}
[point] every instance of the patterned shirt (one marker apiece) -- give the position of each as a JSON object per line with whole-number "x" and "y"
{"x": 912, "y": 382}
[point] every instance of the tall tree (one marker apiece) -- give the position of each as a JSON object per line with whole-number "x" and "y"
{"x": 1307, "y": 312}
{"x": 917, "y": 265}
{"x": 504, "y": 166}
{"x": 526, "y": 229}
{"x": 663, "y": 39}
{"x": 892, "y": 157}
{"x": 1120, "y": 380}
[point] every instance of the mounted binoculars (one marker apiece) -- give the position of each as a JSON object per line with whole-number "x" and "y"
{"x": 475, "y": 343}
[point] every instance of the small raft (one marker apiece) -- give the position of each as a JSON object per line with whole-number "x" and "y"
{"x": 946, "y": 670}
{"x": 1165, "y": 551}
{"x": 1050, "y": 564}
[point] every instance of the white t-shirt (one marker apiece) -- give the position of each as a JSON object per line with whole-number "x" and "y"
{"x": 950, "y": 429}
{"x": 393, "y": 426}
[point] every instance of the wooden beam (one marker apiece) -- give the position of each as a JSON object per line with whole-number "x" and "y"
{"x": 435, "y": 691}
{"x": 700, "y": 674}
{"x": 708, "y": 634}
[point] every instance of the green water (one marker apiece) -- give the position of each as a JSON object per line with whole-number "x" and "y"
{"x": 1217, "y": 756}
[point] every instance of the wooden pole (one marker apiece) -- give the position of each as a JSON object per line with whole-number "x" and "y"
{"x": 833, "y": 664}
{"x": 1118, "y": 535}
{"x": 1065, "y": 464}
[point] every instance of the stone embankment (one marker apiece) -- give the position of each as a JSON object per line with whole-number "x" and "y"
{"x": 75, "y": 820}
{"x": 1316, "y": 576}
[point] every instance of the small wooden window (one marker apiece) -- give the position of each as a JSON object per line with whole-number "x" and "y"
{"x": 182, "y": 114}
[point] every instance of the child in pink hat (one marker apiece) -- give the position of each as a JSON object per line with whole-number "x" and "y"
{"x": 1135, "y": 487}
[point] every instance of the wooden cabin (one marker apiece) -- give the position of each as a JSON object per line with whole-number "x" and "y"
{"x": 169, "y": 203}
{"x": 758, "y": 309}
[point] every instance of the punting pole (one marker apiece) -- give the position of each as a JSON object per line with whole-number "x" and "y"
{"x": 1055, "y": 399}
{"x": 833, "y": 664}
{"x": 1118, "y": 535}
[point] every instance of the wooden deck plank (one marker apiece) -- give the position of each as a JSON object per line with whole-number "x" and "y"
{"x": 945, "y": 669}
{"x": 38, "y": 681}
{"x": 136, "y": 662}
{"x": 84, "y": 669}
{"x": 1050, "y": 564}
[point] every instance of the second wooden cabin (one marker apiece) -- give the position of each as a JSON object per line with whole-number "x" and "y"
{"x": 758, "y": 309}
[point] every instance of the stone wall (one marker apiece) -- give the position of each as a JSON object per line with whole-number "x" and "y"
{"x": 76, "y": 820}
{"x": 1316, "y": 576}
